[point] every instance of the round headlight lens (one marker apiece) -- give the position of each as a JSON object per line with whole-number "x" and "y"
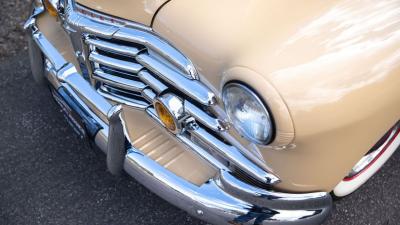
{"x": 247, "y": 113}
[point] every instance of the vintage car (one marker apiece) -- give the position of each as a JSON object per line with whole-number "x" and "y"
{"x": 239, "y": 112}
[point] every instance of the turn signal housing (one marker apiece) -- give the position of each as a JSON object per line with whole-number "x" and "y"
{"x": 170, "y": 111}
{"x": 165, "y": 116}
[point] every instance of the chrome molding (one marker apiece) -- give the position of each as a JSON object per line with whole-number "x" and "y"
{"x": 372, "y": 155}
{"x": 107, "y": 46}
{"x": 120, "y": 82}
{"x": 149, "y": 95}
{"x": 51, "y": 53}
{"x": 153, "y": 82}
{"x": 233, "y": 155}
{"x": 194, "y": 89}
{"x": 205, "y": 119}
{"x": 161, "y": 47}
{"x": 136, "y": 104}
{"x": 115, "y": 63}
{"x": 116, "y": 149}
{"x": 224, "y": 199}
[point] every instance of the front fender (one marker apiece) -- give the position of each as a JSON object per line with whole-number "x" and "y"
{"x": 335, "y": 64}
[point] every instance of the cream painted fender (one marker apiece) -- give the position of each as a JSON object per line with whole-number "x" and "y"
{"x": 334, "y": 66}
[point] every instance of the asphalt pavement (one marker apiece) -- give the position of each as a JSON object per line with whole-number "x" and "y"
{"x": 48, "y": 176}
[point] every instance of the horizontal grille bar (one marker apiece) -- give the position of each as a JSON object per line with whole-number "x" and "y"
{"x": 115, "y": 63}
{"x": 112, "y": 47}
{"x": 120, "y": 82}
{"x": 205, "y": 119}
{"x": 149, "y": 94}
{"x": 137, "y": 104}
{"x": 192, "y": 88}
{"x": 160, "y": 46}
{"x": 232, "y": 154}
{"x": 153, "y": 82}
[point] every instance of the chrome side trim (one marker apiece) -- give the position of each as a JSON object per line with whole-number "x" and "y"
{"x": 115, "y": 63}
{"x": 371, "y": 156}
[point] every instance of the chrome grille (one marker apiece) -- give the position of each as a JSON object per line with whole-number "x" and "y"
{"x": 132, "y": 67}
{"x": 115, "y": 70}
{"x": 132, "y": 73}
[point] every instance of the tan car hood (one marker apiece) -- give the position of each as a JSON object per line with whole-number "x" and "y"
{"x": 134, "y": 10}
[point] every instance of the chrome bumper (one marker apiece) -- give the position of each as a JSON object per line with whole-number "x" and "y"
{"x": 222, "y": 200}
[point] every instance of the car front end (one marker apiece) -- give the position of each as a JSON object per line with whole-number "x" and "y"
{"x": 211, "y": 146}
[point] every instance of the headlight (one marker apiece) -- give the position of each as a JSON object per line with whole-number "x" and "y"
{"x": 248, "y": 113}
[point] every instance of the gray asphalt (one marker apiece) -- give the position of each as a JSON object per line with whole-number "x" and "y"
{"x": 48, "y": 176}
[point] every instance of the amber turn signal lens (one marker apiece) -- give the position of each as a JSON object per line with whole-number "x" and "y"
{"x": 50, "y": 8}
{"x": 165, "y": 116}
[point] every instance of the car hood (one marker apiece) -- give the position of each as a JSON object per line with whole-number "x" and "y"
{"x": 133, "y": 10}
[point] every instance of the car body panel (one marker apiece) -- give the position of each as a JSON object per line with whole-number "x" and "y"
{"x": 134, "y": 10}
{"x": 335, "y": 64}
